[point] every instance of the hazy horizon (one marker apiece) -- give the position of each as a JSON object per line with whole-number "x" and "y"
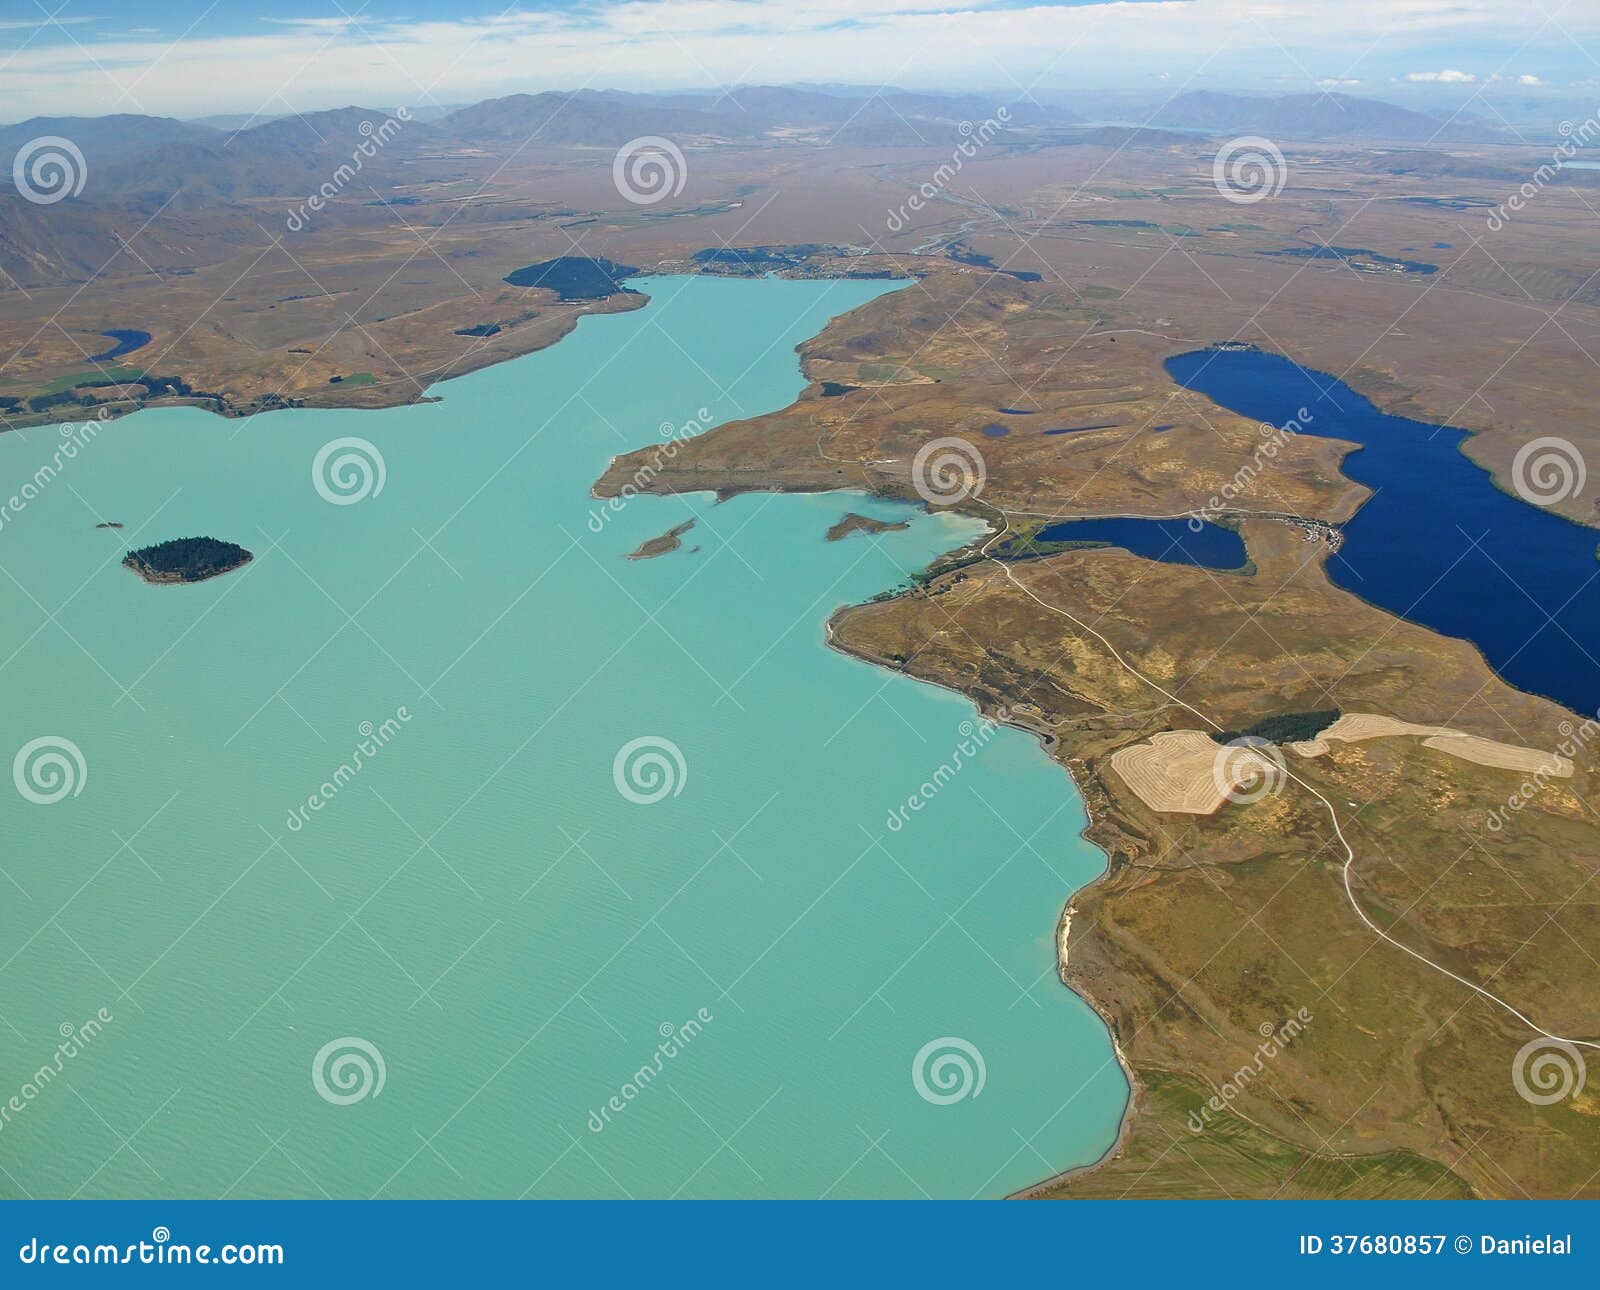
{"x": 193, "y": 60}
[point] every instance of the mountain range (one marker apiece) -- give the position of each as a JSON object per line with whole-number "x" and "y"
{"x": 144, "y": 160}
{"x": 208, "y": 184}
{"x": 1317, "y": 116}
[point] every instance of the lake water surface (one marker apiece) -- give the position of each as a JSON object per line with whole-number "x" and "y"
{"x": 479, "y": 902}
{"x": 1170, "y": 541}
{"x": 1437, "y": 542}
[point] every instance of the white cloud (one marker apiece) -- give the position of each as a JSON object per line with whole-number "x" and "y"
{"x": 1527, "y": 79}
{"x": 1448, "y": 77}
{"x": 44, "y": 20}
{"x": 1336, "y": 82}
{"x": 313, "y": 24}
{"x": 313, "y": 62}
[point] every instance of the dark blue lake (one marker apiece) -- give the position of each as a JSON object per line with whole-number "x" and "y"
{"x": 127, "y": 340}
{"x": 1437, "y": 542}
{"x": 1171, "y": 541}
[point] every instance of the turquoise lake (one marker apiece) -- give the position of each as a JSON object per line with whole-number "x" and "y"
{"x": 479, "y": 902}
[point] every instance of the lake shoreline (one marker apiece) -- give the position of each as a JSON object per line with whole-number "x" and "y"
{"x": 1048, "y": 742}
{"x": 178, "y": 580}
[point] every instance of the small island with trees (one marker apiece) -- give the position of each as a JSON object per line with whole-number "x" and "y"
{"x": 192, "y": 559}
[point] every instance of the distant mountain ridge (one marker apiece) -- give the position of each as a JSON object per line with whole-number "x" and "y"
{"x": 229, "y": 156}
{"x": 104, "y": 139}
{"x": 611, "y": 117}
{"x": 1315, "y": 116}
{"x": 147, "y": 163}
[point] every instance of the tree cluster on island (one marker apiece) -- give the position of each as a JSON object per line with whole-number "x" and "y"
{"x": 190, "y": 559}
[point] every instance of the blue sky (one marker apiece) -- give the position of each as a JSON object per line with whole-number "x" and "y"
{"x": 191, "y": 57}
